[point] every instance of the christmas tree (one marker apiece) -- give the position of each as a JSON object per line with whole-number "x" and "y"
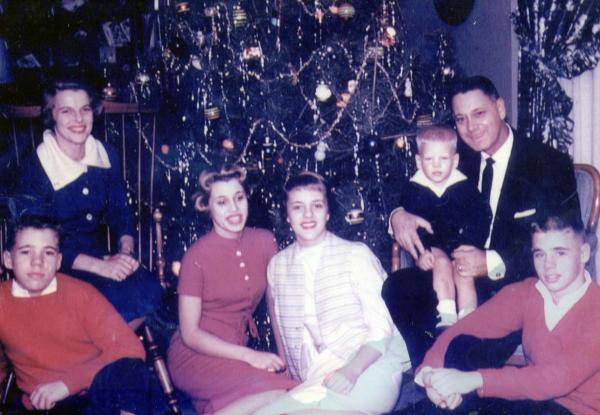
{"x": 282, "y": 86}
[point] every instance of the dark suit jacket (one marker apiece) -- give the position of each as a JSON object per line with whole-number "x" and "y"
{"x": 538, "y": 179}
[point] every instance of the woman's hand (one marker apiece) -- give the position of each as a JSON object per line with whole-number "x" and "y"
{"x": 264, "y": 360}
{"x": 117, "y": 267}
{"x": 342, "y": 380}
{"x": 451, "y": 381}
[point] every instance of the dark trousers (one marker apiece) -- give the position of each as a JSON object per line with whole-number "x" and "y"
{"x": 121, "y": 385}
{"x": 411, "y": 300}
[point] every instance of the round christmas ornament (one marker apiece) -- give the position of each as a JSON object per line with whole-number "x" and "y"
{"x": 165, "y": 149}
{"x": 240, "y": 17}
{"x": 352, "y": 85}
{"x": 196, "y": 62}
{"x": 346, "y": 11}
{"x": 320, "y": 155}
{"x": 182, "y": 7}
{"x": 355, "y": 216}
{"x": 252, "y": 53}
{"x": 400, "y": 142}
{"x": 228, "y": 144}
{"x": 109, "y": 92}
{"x": 142, "y": 78}
{"x": 389, "y": 37}
{"x": 212, "y": 113}
{"x": 323, "y": 92}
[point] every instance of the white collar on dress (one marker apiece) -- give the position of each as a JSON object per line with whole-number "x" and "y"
{"x": 60, "y": 168}
{"x": 439, "y": 189}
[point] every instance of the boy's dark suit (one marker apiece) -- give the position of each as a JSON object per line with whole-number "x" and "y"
{"x": 537, "y": 178}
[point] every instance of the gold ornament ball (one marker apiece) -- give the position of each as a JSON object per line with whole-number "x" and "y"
{"x": 355, "y": 216}
{"x": 212, "y": 113}
{"x": 164, "y": 149}
{"x": 252, "y": 53}
{"x": 400, "y": 142}
{"x": 346, "y": 11}
{"x": 228, "y": 144}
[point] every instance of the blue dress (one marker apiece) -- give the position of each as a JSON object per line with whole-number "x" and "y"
{"x": 84, "y": 208}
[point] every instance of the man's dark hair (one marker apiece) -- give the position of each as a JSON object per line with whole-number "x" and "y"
{"x": 30, "y": 222}
{"x": 558, "y": 221}
{"x": 473, "y": 83}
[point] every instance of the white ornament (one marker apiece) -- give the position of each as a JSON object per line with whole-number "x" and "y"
{"x": 320, "y": 155}
{"x": 323, "y": 93}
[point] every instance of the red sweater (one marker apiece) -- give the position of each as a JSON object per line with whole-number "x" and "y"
{"x": 68, "y": 336}
{"x": 562, "y": 364}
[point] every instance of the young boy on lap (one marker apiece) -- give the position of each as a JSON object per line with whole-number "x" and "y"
{"x": 69, "y": 348}
{"x": 458, "y": 213}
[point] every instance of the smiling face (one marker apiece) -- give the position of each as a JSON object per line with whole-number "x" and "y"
{"x": 73, "y": 117}
{"x": 559, "y": 257}
{"x": 437, "y": 159}
{"x": 307, "y": 214}
{"x": 228, "y": 208}
{"x": 34, "y": 258}
{"x": 479, "y": 120}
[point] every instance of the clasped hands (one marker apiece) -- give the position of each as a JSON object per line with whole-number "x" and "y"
{"x": 445, "y": 387}
{"x": 119, "y": 266}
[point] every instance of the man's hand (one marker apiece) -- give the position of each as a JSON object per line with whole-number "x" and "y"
{"x": 45, "y": 395}
{"x": 405, "y": 225}
{"x": 426, "y": 261}
{"x": 448, "y": 382}
{"x": 118, "y": 267}
{"x": 470, "y": 261}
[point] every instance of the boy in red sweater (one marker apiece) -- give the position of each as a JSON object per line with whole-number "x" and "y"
{"x": 559, "y": 313}
{"x": 70, "y": 350}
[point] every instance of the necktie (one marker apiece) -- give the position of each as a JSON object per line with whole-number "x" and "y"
{"x": 486, "y": 178}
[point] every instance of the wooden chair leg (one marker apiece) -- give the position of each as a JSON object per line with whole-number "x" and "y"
{"x": 160, "y": 369}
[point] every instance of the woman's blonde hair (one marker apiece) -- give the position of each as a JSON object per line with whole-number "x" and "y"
{"x": 210, "y": 176}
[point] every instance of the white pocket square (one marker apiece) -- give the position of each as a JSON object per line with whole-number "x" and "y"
{"x": 524, "y": 213}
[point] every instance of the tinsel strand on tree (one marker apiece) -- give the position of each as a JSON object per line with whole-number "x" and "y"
{"x": 283, "y": 86}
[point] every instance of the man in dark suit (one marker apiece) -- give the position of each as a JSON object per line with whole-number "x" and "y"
{"x": 522, "y": 178}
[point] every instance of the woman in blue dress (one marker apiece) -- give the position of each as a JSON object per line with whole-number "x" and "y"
{"x": 77, "y": 180}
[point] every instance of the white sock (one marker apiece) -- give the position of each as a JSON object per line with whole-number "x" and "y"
{"x": 446, "y": 307}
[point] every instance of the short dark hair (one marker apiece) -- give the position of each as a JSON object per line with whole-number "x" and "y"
{"x": 56, "y": 85}
{"x": 473, "y": 83}
{"x": 557, "y": 222}
{"x": 38, "y": 222}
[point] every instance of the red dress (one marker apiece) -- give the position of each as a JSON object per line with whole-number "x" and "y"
{"x": 230, "y": 277}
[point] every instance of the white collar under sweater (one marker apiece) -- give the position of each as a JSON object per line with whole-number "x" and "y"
{"x": 18, "y": 291}
{"x": 61, "y": 169}
{"x": 455, "y": 177}
{"x": 553, "y": 312}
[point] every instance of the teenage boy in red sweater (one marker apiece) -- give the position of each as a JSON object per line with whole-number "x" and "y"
{"x": 70, "y": 350}
{"x": 559, "y": 313}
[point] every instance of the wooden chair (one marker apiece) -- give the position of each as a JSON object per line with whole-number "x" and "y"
{"x": 132, "y": 130}
{"x": 588, "y": 189}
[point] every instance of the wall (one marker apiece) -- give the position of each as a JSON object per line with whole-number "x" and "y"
{"x": 485, "y": 42}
